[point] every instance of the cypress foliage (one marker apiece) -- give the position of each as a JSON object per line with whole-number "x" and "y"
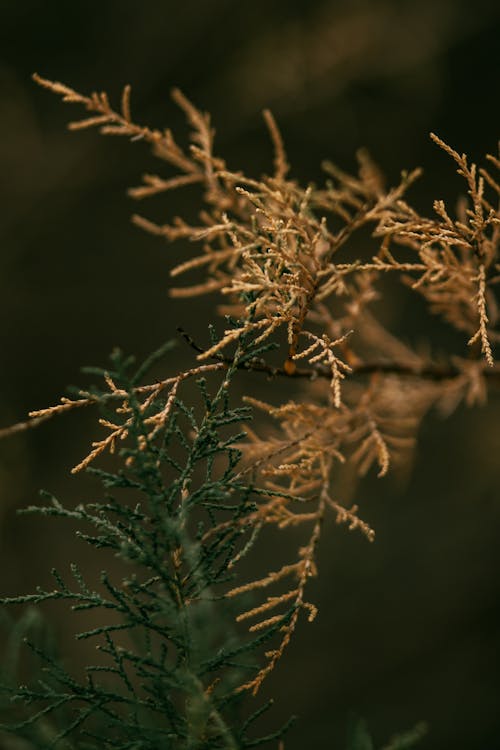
{"x": 190, "y": 485}
{"x": 172, "y": 662}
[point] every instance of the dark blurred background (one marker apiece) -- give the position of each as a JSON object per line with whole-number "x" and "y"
{"x": 408, "y": 627}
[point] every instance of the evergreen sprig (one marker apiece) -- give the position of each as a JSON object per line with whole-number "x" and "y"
{"x": 193, "y": 485}
{"x": 170, "y": 673}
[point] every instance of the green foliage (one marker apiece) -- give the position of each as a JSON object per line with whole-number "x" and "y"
{"x": 170, "y": 661}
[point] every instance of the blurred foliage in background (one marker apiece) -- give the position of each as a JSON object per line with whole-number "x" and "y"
{"x": 408, "y": 627}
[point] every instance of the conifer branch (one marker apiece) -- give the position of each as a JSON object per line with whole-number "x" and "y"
{"x": 194, "y": 485}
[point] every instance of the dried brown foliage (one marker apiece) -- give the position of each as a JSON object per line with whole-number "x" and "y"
{"x": 280, "y": 255}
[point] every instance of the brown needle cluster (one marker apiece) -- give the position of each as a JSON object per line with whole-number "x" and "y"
{"x": 148, "y": 398}
{"x": 281, "y": 255}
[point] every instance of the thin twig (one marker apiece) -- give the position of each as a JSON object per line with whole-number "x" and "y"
{"x": 430, "y": 371}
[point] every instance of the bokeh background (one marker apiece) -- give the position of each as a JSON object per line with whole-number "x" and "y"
{"x": 408, "y": 627}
